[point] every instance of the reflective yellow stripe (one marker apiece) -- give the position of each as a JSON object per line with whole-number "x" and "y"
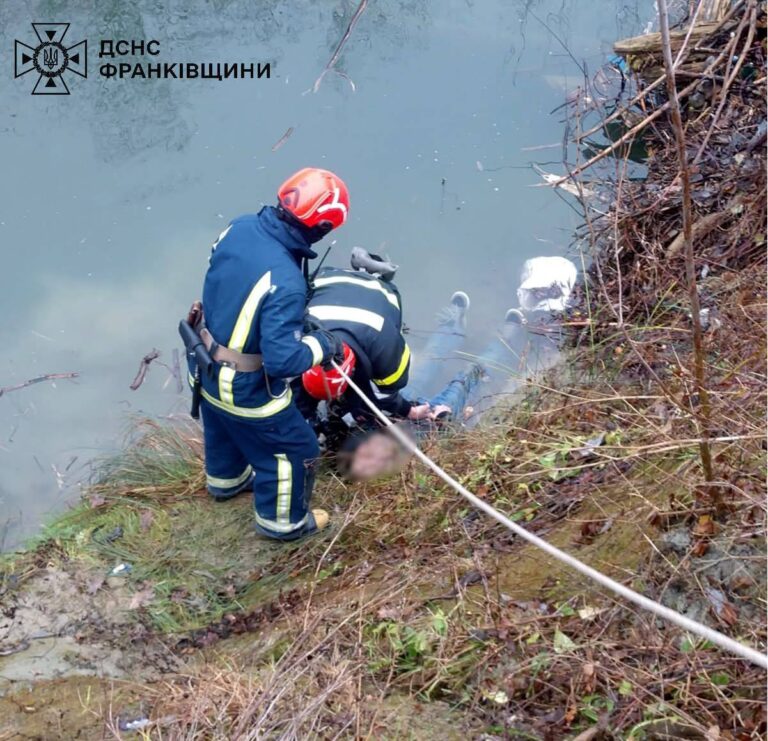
{"x": 284, "y": 485}
{"x": 237, "y": 342}
{"x": 317, "y": 350}
{"x": 226, "y": 376}
{"x": 229, "y": 483}
{"x": 276, "y": 526}
{"x": 267, "y": 410}
{"x": 248, "y": 312}
{"x": 373, "y": 285}
{"x": 389, "y": 380}
{"x": 347, "y": 314}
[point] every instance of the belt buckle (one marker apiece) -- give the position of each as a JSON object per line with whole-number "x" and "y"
{"x": 228, "y": 364}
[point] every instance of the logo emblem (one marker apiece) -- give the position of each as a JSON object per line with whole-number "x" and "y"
{"x": 50, "y": 59}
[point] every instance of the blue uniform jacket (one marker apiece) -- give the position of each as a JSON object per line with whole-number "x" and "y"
{"x": 254, "y": 298}
{"x": 366, "y": 313}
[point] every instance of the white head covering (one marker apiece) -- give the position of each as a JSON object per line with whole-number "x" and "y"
{"x": 556, "y": 275}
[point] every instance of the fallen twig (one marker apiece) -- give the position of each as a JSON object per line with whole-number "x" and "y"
{"x": 141, "y": 374}
{"x": 337, "y": 52}
{"x": 729, "y": 78}
{"x": 177, "y": 370}
{"x": 174, "y": 371}
{"x": 283, "y": 139}
{"x": 37, "y": 379}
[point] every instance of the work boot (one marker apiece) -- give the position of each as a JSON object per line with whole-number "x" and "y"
{"x": 317, "y": 520}
{"x": 321, "y": 518}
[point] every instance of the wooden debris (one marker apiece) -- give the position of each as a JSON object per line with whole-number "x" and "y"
{"x": 650, "y": 43}
{"x": 37, "y": 379}
{"x": 283, "y": 139}
{"x": 329, "y": 67}
{"x": 700, "y": 229}
{"x": 141, "y": 374}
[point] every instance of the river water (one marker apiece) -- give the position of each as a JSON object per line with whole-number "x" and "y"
{"x": 111, "y": 196}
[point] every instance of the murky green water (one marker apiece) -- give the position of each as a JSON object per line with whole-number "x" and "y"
{"x": 110, "y": 197}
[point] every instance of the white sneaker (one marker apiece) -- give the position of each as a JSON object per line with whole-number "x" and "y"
{"x": 455, "y": 314}
{"x": 460, "y": 299}
{"x": 515, "y": 316}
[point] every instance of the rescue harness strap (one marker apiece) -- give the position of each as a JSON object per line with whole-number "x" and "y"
{"x": 239, "y": 361}
{"x": 714, "y": 636}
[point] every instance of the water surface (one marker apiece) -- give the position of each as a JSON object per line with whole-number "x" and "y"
{"x": 111, "y": 197}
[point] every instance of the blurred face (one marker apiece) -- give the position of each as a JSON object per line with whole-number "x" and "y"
{"x": 542, "y": 294}
{"x": 378, "y": 454}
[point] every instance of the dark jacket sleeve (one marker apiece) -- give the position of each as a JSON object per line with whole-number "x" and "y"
{"x": 390, "y": 364}
{"x": 390, "y": 361}
{"x": 286, "y": 350}
{"x": 396, "y": 404}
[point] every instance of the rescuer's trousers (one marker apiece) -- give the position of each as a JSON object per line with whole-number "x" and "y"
{"x": 275, "y": 455}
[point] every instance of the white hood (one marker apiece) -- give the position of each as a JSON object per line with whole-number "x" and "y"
{"x": 555, "y": 275}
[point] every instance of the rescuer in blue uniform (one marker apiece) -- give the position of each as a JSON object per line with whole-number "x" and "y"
{"x": 252, "y": 323}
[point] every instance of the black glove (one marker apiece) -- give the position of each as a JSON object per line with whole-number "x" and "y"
{"x": 311, "y": 324}
{"x": 335, "y": 348}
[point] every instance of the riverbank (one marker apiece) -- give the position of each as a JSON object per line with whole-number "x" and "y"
{"x": 148, "y": 607}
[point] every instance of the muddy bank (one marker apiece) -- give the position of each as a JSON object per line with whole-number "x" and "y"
{"x": 411, "y": 595}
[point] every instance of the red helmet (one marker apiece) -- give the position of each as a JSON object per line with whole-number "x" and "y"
{"x": 313, "y": 196}
{"x": 329, "y": 384}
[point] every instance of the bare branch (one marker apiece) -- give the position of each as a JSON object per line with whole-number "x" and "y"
{"x": 690, "y": 260}
{"x": 141, "y": 374}
{"x": 37, "y": 379}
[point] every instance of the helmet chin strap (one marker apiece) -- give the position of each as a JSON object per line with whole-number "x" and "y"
{"x": 311, "y": 233}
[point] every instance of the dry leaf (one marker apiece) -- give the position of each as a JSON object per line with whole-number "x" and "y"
{"x": 701, "y": 547}
{"x": 589, "y": 676}
{"x": 145, "y": 520}
{"x": 704, "y": 526}
{"x": 141, "y": 598}
{"x": 589, "y": 612}
{"x": 728, "y": 614}
{"x": 562, "y": 643}
{"x": 95, "y": 584}
{"x": 388, "y": 613}
{"x": 741, "y": 581}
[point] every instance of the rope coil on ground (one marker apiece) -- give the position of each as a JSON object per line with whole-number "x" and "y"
{"x": 714, "y": 636}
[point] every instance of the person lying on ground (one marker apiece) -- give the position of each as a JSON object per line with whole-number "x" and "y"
{"x": 515, "y": 353}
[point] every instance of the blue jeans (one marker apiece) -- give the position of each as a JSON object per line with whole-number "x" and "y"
{"x": 466, "y": 386}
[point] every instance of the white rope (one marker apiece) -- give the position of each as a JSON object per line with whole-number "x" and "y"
{"x": 714, "y": 636}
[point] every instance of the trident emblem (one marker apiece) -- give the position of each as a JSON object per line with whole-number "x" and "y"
{"x": 51, "y": 57}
